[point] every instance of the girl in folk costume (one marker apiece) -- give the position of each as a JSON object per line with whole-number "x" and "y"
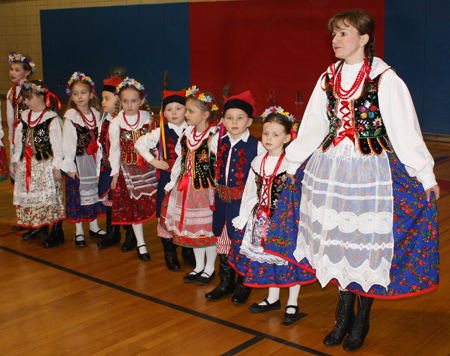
{"x": 164, "y": 140}
{"x": 188, "y": 214}
{"x": 134, "y": 180}
{"x": 109, "y": 103}
{"x": 37, "y": 160}
{"x": 234, "y": 157}
{"x": 368, "y": 219}
{"x": 21, "y": 67}
{"x": 265, "y": 182}
{"x": 80, "y": 155}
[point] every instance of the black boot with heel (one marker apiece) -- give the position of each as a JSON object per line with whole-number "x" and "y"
{"x": 360, "y": 328}
{"x": 345, "y": 316}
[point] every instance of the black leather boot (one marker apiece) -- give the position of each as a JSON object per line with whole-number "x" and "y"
{"x": 170, "y": 254}
{"x": 345, "y": 316}
{"x": 33, "y": 233}
{"x": 17, "y": 228}
{"x": 227, "y": 283}
{"x": 242, "y": 292}
{"x": 360, "y": 328}
{"x": 56, "y": 237}
{"x": 130, "y": 239}
{"x": 112, "y": 232}
{"x": 188, "y": 255}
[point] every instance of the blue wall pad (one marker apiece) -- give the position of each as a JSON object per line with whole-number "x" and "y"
{"x": 146, "y": 39}
{"x": 414, "y": 44}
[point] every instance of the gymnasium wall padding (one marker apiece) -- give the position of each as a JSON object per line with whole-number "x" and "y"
{"x": 147, "y": 39}
{"x": 267, "y": 46}
{"x": 416, "y": 47}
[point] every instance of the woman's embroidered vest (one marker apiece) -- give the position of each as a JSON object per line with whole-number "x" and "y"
{"x": 128, "y": 153}
{"x": 40, "y": 140}
{"x": 369, "y": 131}
{"x": 202, "y": 165}
{"x": 84, "y": 138}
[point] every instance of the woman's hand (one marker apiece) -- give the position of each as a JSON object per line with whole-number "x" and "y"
{"x": 57, "y": 174}
{"x": 72, "y": 174}
{"x": 114, "y": 181}
{"x": 159, "y": 164}
{"x": 435, "y": 189}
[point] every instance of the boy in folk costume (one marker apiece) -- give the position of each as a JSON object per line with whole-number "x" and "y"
{"x": 235, "y": 152}
{"x": 164, "y": 140}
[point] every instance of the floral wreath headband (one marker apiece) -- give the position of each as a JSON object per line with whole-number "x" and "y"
{"x": 17, "y": 57}
{"x": 207, "y": 99}
{"x": 81, "y": 77}
{"x": 40, "y": 89}
{"x": 130, "y": 82}
{"x": 277, "y": 110}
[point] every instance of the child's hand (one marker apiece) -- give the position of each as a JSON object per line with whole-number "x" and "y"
{"x": 72, "y": 174}
{"x": 159, "y": 164}
{"x": 434, "y": 189}
{"x": 291, "y": 177}
{"x": 15, "y": 167}
{"x": 114, "y": 181}
{"x": 57, "y": 174}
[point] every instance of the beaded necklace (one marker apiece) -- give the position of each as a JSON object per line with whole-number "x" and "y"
{"x": 347, "y": 94}
{"x": 90, "y": 124}
{"x": 33, "y": 123}
{"x": 135, "y": 125}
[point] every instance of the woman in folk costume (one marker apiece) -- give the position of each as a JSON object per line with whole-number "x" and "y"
{"x": 368, "y": 219}
{"x": 134, "y": 180}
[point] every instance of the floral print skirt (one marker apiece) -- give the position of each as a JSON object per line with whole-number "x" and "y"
{"x": 127, "y": 210}
{"x": 75, "y": 211}
{"x": 415, "y": 263}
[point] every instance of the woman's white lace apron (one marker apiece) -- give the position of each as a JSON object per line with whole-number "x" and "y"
{"x": 346, "y": 217}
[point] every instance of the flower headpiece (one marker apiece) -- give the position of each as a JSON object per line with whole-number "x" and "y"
{"x": 130, "y": 82}
{"x": 27, "y": 85}
{"x": 277, "y": 110}
{"x": 207, "y": 99}
{"x": 17, "y": 57}
{"x": 78, "y": 76}
{"x": 40, "y": 89}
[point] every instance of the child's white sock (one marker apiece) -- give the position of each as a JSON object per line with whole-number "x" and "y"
{"x": 138, "y": 230}
{"x": 93, "y": 226}
{"x": 293, "y": 298}
{"x": 211, "y": 255}
{"x": 274, "y": 295}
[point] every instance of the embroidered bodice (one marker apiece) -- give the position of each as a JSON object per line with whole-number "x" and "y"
{"x": 364, "y": 127}
{"x": 39, "y": 140}
{"x": 128, "y": 138}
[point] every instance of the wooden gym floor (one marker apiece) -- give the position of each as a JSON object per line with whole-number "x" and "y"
{"x": 72, "y": 301}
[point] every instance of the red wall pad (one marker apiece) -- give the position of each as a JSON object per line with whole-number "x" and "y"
{"x": 266, "y": 46}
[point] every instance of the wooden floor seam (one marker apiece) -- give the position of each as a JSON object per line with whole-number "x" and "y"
{"x": 259, "y": 336}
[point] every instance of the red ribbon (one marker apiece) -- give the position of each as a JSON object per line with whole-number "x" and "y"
{"x": 28, "y": 154}
{"x": 349, "y": 129}
{"x": 141, "y": 162}
{"x": 293, "y": 135}
{"x": 92, "y": 147}
{"x": 183, "y": 187}
{"x": 47, "y": 101}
